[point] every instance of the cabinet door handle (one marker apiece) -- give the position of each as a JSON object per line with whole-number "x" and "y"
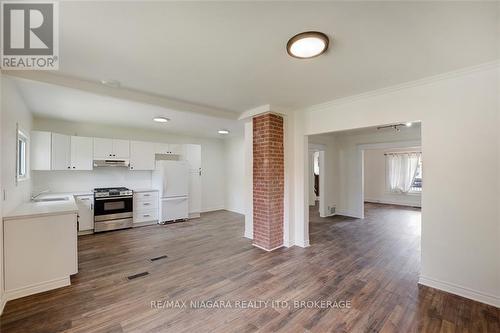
{"x": 146, "y": 195}
{"x": 146, "y": 215}
{"x": 73, "y": 167}
{"x": 146, "y": 204}
{"x": 69, "y": 167}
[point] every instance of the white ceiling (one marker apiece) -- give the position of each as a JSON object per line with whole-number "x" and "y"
{"x": 50, "y": 101}
{"x": 231, "y": 55}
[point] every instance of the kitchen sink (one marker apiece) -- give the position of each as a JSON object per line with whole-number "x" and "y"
{"x": 51, "y": 199}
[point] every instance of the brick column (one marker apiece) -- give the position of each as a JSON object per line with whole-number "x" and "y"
{"x": 268, "y": 181}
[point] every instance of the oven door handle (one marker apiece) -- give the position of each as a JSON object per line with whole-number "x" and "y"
{"x": 112, "y": 198}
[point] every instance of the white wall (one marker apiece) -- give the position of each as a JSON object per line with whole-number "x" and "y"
{"x": 14, "y": 112}
{"x": 212, "y": 160}
{"x": 375, "y": 180}
{"x": 460, "y": 215}
{"x": 235, "y": 174}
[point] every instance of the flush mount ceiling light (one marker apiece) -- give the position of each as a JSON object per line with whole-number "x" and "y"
{"x": 307, "y": 45}
{"x": 408, "y": 124}
{"x": 161, "y": 119}
{"x": 223, "y": 131}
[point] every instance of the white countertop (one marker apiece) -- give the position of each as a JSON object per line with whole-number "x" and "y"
{"x": 34, "y": 209}
{"x": 139, "y": 190}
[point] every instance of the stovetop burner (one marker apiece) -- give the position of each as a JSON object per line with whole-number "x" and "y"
{"x": 111, "y": 191}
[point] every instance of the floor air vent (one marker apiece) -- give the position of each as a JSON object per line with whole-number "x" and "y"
{"x": 158, "y": 258}
{"x": 135, "y": 276}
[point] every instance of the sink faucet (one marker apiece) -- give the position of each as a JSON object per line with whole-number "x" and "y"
{"x": 34, "y": 196}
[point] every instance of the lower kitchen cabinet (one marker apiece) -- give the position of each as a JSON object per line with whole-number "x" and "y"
{"x": 85, "y": 204}
{"x": 145, "y": 208}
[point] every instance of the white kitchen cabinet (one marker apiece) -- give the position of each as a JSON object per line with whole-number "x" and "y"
{"x": 85, "y": 204}
{"x": 121, "y": 149}
{"x": 40, "y": 253}
{"x": 111, "y": 148}
{"x": 146, "y": 209}
{"x": 142, "y": 155}
{"x": 61, "y": 152}
{"x": 103, "y": 148}
{"x": 192, "y": 154}
{"x": 40, "y": 147}
{"x": 81, "y": 153}
{"x": 71, "y": 152}
{"x": 169, "y": 148}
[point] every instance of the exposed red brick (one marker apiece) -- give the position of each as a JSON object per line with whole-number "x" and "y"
{"x": 268, "y": 181}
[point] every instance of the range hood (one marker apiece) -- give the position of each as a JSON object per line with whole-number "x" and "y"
{"x": 111, "y": 163}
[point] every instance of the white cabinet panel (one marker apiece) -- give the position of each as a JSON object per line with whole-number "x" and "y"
{"x": 146, "y": 216}
{"x": 146, "y": 207}
{"x": 169, "y": 148}
{"x": 161, "y": 148}
{"x": 192, "y": 154}
{"x": 85, "y": 206}
{"x": 121, "y": 149}
{"x": 194, "y": 194}
{"x": 61, "y": 152}
{"x": 103, "y": 148}
{"x": 111, "y": 149}
{"x": 38, "y": 251}
{"x": 174, "y": 209}
{"x": 81, "y": 153}
{"x": 41, "y": 150}
{"x": 142, "y": 155}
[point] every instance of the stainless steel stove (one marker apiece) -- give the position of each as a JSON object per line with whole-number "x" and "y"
{"x": 113, "y": 208}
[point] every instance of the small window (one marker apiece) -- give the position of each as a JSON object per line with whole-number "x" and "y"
{"x": 22, "y": 156}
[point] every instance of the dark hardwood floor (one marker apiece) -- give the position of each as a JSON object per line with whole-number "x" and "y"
{"x": 371, "y": 263}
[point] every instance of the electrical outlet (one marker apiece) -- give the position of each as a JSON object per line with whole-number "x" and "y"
{"x": 331, "y": 210}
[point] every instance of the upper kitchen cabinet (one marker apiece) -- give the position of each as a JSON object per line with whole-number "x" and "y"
{"x": 81, "y": 153}
{"x": 121, "y": 149}
{"x": 71, "y": 152}
{"x": 142, "y": 155}
{"x": 61, "y": 152}
{"x": 40, "y": 149}
{"x": 111, "y": 148}
{"x": 168, "y": 148}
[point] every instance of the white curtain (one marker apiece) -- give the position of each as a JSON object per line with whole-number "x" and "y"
{"x": 401, "y": 170}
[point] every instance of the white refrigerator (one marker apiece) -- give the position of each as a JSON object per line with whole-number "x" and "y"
{"x": 171, "y": 179}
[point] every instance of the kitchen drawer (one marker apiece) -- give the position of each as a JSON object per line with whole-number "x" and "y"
{"x": 145, "y": 196}
{"x": 145, "y": 216}
{"x": 140, "y": 206}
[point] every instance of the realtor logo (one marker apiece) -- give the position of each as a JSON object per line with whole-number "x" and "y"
{"x": 30, "y": 35}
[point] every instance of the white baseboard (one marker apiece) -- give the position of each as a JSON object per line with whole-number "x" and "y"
{"x": 248, "y": 235}
{"x": 348, "y": 214}
{"x": 234, "y": 211}
{"x": 2, "y": 303}
{"x": 212, "y": 209}
{"x": 460, "y": 291}
{"x": 36, "y": 288}
{"x": 303, "y": 243}
{"x": 393, "y": 202}
{"x": 262, "y": 248}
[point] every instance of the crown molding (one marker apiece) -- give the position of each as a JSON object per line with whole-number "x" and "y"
{"x": 121, "y": 93}
{"x": 387, "y": 90}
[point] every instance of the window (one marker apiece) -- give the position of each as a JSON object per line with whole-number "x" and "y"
{"x": 22, "y": 156}
{"x": 416, "y": 186}
{"x": 404, "y": 172}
